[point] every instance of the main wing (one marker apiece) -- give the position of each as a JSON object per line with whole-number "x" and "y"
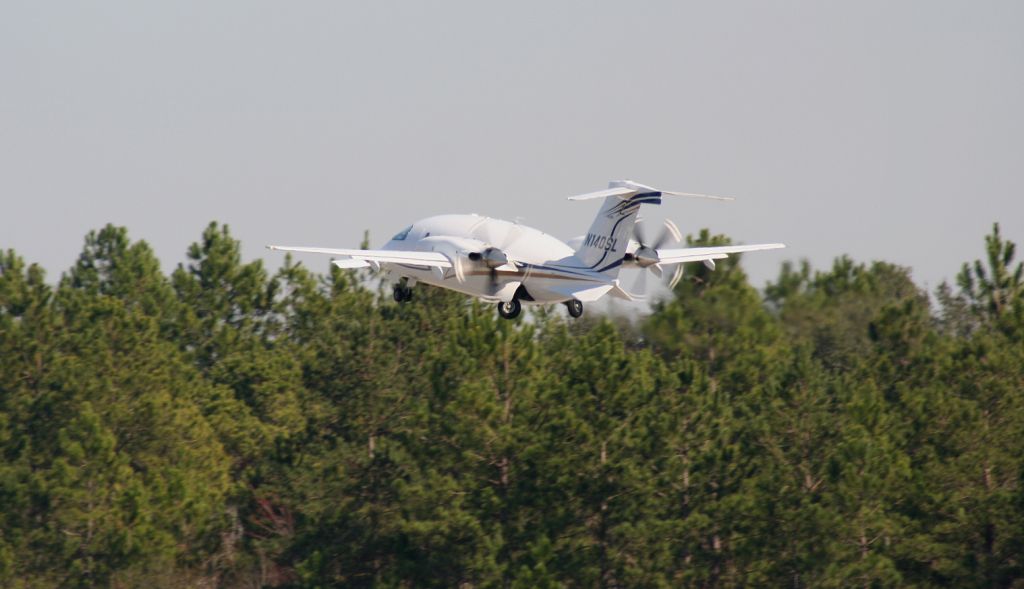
{"x": 356, "y": 258}
{"x": 699, "y": 254}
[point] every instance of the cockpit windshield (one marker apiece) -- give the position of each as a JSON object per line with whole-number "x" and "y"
{"x": 402, "y": 234}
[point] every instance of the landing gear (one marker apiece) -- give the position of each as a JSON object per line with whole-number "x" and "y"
{"x": 575, "y": 308}
{"x": 402, "y": 293}
{"x": 511, "y": 309}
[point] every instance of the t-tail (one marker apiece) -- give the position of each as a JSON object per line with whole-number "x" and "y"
{"x": 604, "y": 247}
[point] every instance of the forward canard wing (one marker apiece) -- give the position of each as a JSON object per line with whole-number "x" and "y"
{"x": 357, "y": 258}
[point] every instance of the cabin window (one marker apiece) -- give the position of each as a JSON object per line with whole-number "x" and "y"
{"x": 402, "y": 234}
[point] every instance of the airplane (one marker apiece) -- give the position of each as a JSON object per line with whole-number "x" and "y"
{"x": 510, "y": 264}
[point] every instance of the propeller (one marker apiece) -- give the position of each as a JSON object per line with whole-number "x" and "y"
{"x": 677, "y": 274}
{"x": 493, "y": 258}
{"x": 494, "y": 255}
{"x": 646, "y": 254}
{"x": 639, "y": 290}
{"x": 460, "y": 274}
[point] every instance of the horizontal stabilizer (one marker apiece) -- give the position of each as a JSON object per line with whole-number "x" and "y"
{"x": 619, "y": 191}
{"x": 627, "y": 188}
{"x": 697, "y": 195}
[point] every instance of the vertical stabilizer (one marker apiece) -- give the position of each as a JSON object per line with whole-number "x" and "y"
{"x": 604, "y": 245}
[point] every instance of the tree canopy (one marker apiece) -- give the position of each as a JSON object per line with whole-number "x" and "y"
{"x": 227, "y": 425}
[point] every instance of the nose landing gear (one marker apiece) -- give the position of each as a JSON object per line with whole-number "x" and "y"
{"x": 575, "y": 308}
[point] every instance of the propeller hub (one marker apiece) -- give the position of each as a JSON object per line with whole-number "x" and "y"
{"x": 645, "y": 256}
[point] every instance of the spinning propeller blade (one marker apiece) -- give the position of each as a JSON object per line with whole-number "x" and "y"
{"x": 646, "y": 254}
{"x": 495, "y": 255}
{"x": 640, "y": 285}
{"x": 678, "y": 274}
{"x": 460, "y": 274}
{"x": 670, "y": 232}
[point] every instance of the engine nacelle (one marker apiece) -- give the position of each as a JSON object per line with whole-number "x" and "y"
{"x": 492, "y": 257}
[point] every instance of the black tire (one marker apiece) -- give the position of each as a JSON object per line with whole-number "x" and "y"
{"x": 575, "y": 308}
{"x": 511, "y": 309}
{"x": 402, "y": 294}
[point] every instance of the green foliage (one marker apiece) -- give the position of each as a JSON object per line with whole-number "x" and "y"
{"x": 225, "y": 426}
{"x": 995, "y": 294}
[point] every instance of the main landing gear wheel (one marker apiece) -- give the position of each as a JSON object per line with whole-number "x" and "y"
{"x": 402, "y": 293}
{"x": 575, "y": 308}
{"x": 511, "y": 309}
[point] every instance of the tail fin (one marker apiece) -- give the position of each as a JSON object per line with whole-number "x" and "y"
{"x": 604, "y": 246}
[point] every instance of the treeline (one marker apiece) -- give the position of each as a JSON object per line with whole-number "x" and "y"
{"x": 225, "y": 426}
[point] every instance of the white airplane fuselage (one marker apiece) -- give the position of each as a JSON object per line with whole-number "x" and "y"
{"x": 540, "y": 269}
{"x": 511, "y": 264}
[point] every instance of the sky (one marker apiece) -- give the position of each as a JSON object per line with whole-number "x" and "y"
{"x": 881, "y": 130}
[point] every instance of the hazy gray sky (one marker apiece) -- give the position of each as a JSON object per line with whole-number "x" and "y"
{"x": 886, "y": 130}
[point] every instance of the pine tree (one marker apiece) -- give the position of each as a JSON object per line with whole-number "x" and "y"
{"x": 996, "y": 293}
